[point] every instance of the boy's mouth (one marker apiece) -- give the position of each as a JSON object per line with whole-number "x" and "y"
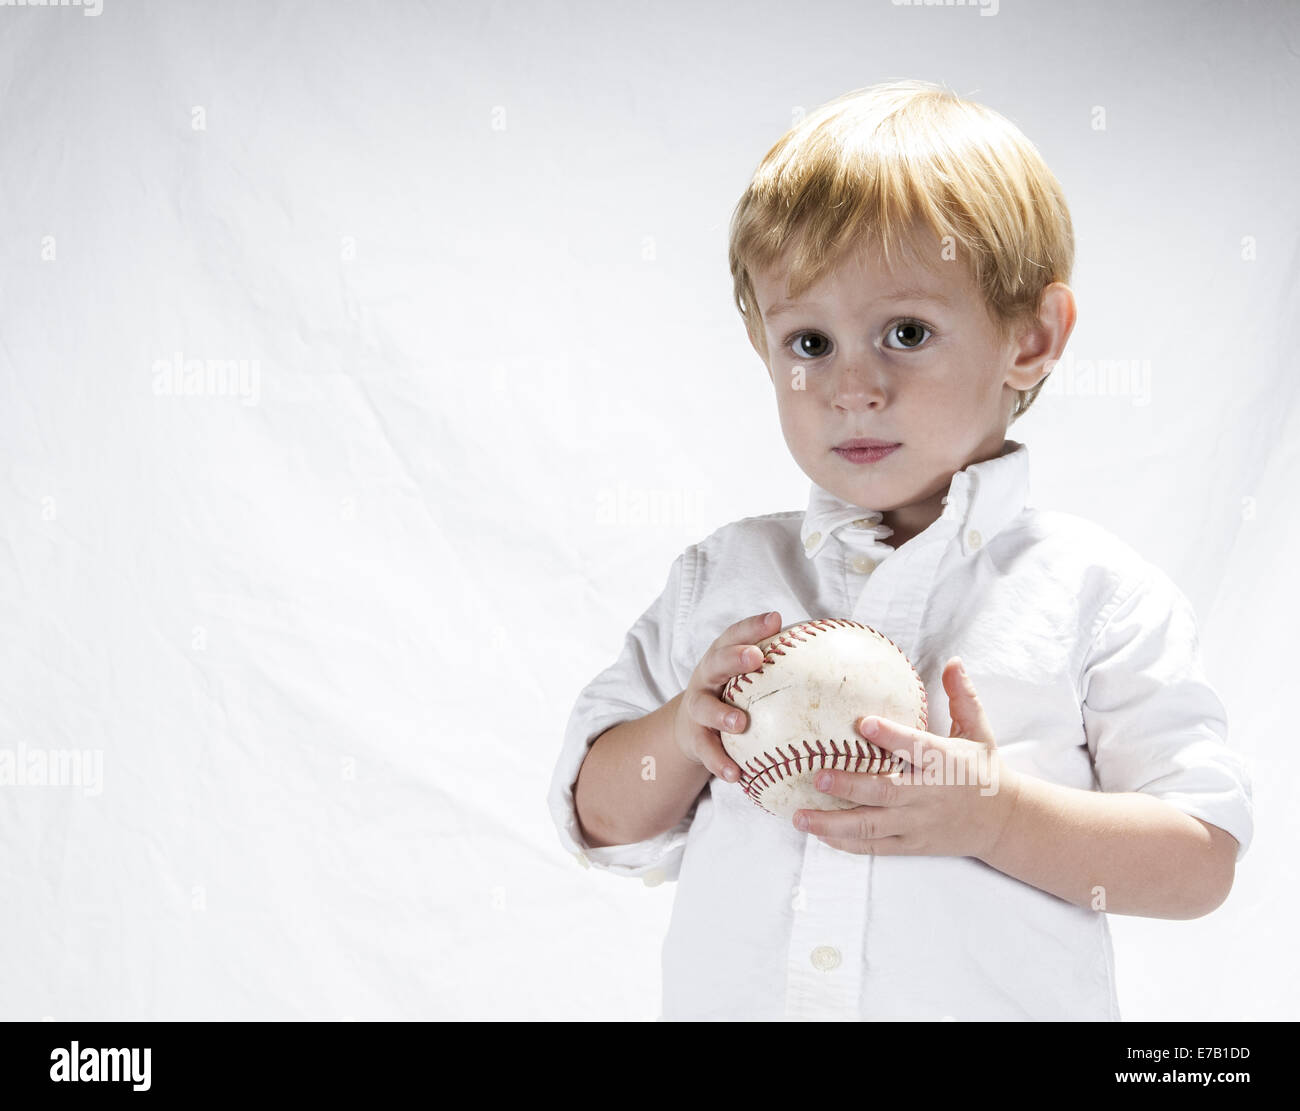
{"x": 865, "y": 450}
{"x": 866, "y": 442}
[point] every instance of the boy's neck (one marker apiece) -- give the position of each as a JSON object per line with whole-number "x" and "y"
{"x": 912, "y": 520}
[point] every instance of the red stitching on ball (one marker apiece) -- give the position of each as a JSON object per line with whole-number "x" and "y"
{"x": 761, "y": 776}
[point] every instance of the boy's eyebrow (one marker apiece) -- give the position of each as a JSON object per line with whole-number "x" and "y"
{"x": 912, "y": 293}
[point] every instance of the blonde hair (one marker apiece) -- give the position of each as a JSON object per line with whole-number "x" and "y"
{"x": 876, "y": 162}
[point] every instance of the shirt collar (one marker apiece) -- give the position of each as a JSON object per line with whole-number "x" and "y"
{"x": 981, "y": 500}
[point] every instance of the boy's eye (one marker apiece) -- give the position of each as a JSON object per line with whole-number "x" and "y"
{"x": 908, "y": 333}
{"x": 808, "y": 345}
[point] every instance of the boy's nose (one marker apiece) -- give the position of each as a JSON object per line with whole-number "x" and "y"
{"x": 858, "y": 384}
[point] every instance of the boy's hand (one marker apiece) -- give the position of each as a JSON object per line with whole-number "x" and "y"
{"x": 952, "y": 798}
{"x": 701, "y": 714}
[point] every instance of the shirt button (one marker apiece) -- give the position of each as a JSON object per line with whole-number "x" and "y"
{"x": 811, "y": 542}
{"x": 825, "y": 958}
{"x": 654, "y": 877}
{"x": 581, "y": 858}
{"x": 863, "y": 522}
{"x": 974, "y": 539}
{"x": 862, "y": 565}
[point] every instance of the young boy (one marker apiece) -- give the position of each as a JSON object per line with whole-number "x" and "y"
{"x": 900, "y": 260}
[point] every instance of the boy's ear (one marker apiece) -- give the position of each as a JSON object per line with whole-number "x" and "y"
{"x": 1040, "y": 345}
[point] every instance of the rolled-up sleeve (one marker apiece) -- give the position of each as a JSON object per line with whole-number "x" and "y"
{"x": 1153, "y": 722}
{"x": 642, "y": 679}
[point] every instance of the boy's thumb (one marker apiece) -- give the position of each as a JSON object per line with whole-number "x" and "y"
{"x": 967, "y": 712}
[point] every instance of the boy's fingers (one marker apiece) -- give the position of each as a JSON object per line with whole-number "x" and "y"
{"x": 747, "y": 626}
{"x": 725, "y": 718}
{"x": 736, "y": 651}
{"x": 708, "y": 710}
{"x": 751, "y": 629}
{"x": 724, "y": 661}
{"x": 716, "y": 758}
{"x": 708, "y": 744}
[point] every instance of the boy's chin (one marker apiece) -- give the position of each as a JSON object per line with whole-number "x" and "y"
{"x": 866, "y": 491}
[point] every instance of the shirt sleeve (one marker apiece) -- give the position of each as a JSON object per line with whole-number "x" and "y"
{"x": 641, "y": 679}
{"x": 1153, "y": 722}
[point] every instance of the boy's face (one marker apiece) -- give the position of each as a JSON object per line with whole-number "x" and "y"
{"x": 924, "y": 370}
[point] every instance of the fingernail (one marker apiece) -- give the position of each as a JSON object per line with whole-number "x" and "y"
{"x": 733, "y": 720}
{"x": 824, "y": 781}
{"x": 729, "y": 773}
{"x": 870, "y": 726}
{"x": 801, "y": 822}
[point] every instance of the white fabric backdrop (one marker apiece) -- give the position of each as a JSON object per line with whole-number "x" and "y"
{"x": 321, "y": 622}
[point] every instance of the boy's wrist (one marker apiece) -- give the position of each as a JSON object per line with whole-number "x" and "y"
{"x": 1001, "y": 812}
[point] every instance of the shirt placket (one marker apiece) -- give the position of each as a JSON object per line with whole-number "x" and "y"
{"x": 828, "y": 962}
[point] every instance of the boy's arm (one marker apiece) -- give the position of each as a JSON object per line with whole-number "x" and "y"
{"x": 1156, "y": 731}
{"x": 1123, "y": 853}
{"x": 621, "y": 797}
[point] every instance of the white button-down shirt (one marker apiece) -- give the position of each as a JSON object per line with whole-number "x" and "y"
{"x": 1085, "y": 657}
